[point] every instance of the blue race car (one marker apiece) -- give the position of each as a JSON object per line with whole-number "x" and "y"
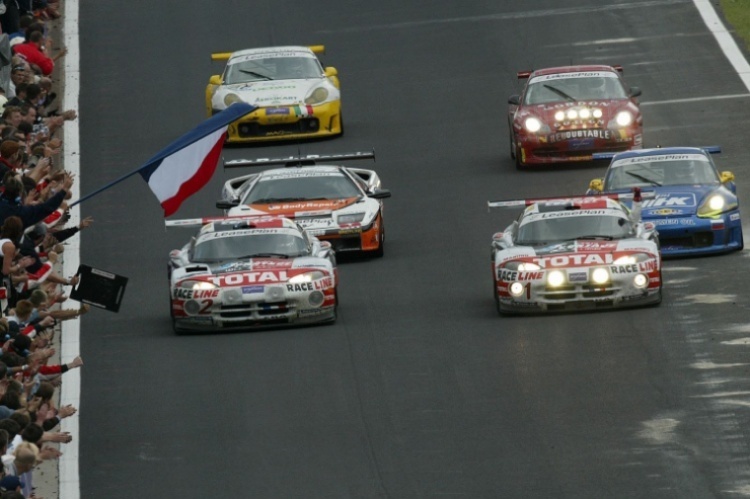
{"x": 695, "y": 208}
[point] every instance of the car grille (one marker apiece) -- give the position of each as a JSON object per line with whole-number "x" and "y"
{"x": 695, "y": 240}
{"x": 344, "y": 243}
{"x": 582, "y": 291}
{"x": 255, "y": 311}
{"x": 304, "y": 125}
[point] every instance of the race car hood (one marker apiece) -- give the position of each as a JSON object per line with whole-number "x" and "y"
{"x": 253, "y": 271}
{"x": 576, "y": 253}
{"x": 546, "y": 112}
{"x": 304, "y": 208}
{"x": 317, "y": 215}
{"x": 271, "y": 93}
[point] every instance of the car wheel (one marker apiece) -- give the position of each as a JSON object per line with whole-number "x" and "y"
{"x": 742, "y": 241}
{"x": 341, "y": 121}
{"x": 512, "y": 146}
{"x": 519, "y": 164}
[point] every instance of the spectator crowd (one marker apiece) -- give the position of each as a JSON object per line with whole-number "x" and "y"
{"x": 34, "y": 194}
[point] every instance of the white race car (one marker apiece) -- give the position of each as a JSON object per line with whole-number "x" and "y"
{"x": 565, "y": 254}
{"x": 334, "y": 203}
{"x": 250, "y": 272}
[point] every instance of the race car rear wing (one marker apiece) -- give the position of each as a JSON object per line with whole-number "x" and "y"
{"x": 523, "y": 75}
{"x": 306, "y": 160}
{"x": 565, "y": 200}
{"x": 223, "y": 56}
{"x": 610, "y": 155}
{"x": 192, "y": 223}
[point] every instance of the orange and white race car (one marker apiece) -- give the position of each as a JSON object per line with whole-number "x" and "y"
{"x": 565, "y": 254}
{"x": 334, "y": 203}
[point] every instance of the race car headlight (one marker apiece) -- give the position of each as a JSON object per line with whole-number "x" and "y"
{"x": 560, "y": 115}
{"x": 516, "y": 289}
{"x": 600, "y": 275}
{"x": 521, "y": 266}
{"x": 555, "y": 279}
{"x": 584, "y": 114}
{"x": 717, "y": 203}
{"x": 640, "y": 281}
{"x": 532, "y": 124}
{"x": 631, "y": 259}
{"x": 350, "y": 218}
{"x": 190, "y": 284}
{"x": 572, "y": 114}
{"x": 307, "y": 277}
{"x": 230, "y": 99}
{"x": 317, "y": 96}
{"x": 624, "y": 118}
{"x": 597, "y": 113}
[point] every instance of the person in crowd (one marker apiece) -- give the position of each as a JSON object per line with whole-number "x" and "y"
{"x": 35, "y": 52}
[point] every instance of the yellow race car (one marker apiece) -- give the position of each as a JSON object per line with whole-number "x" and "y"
{"x": 296, "y": 97}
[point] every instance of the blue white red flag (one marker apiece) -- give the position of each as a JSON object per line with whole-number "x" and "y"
{"x": 183, "y": 167}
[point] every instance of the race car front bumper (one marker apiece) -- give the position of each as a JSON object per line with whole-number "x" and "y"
{"x": 287, "y": 123}
{"x": 694, "y": 236}
{"x": 258, "y": 306}
{"x": 349, "y": 238}
{"x": 578, "y": 292}
{"x": 574, "y": 145}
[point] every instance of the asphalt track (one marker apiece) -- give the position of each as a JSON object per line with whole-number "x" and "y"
{"x": 419, "y": 390}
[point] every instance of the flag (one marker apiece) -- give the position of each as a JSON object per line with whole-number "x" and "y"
{"x": 181, "y": 169}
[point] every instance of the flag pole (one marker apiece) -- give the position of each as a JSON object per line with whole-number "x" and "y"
{"x": 218, "y": 120}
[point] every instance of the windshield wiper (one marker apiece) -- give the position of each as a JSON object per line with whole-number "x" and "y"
{"x": 264, "y": 255}
{"x": 607, "y": 238}
{"x": 644, "y": 179}
{"x": 253, "y": 73}
{"x": 561, "y": 93}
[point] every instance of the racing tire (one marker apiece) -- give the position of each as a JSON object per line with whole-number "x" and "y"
{"x": 519, "y": 164}
{"x": 341, "y": 122}
{"x": 498, "y": 307}
{"x": 742, "y": 241}
{"x": 512, "y": 146}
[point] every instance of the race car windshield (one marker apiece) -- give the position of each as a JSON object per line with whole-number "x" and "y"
{"x": 551, "y": 230}
{"x": 273, "y": 68}
{"x": 302, "y": 188}
{"x": 660, "y": 173}
{"x": 219, "y": 249}
{"x": 574, "y": 89}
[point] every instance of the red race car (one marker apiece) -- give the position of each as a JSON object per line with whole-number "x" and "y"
{"x": 568, "y": 113}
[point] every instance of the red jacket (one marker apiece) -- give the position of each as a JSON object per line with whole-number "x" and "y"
{"x": 35, "y": 56}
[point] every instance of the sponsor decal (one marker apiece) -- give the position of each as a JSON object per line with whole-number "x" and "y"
{"x": 675, "y": 221}
{"x": 324, "y": 283}
{"x": 595, "y": 246}
{"x": 647, "y": 266}
{"x": 194, "y": 294}
{"x": 580, "y": 134}
{"x": 307, "y": 223}
{"x": 581, "y": 143}
{"x": 298, "y": 287}
{"x": 515, "y": 275}
{"x": 670, "y": 200}
{"x": 276, "y": 110}
{"x": 624, "y": 269}
{"x": 578, "y": 276}
{"x": 666, "y": 211}
{"x": 311, "y": 311}
{"x": 570, "y": 260}
{"x": 247, "y": 290}
{"x": 251, "y": 278}
{"x": 579, "y": 74}
{"x": 660, "y": 158}
{"x": 303, "y": 110}
{"x": 734, "y": 216}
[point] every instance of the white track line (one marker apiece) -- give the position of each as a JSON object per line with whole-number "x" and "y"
{"x": 70, "y": 343}
{"x": 726, "y": 42}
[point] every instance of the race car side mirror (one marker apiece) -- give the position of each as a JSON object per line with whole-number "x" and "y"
{"x": 727, "y": 177}
{"x": 380, "y": 194}
{"x": 514, "y": 99}
{"x": 215, "y": 80}
{"x": 224, "y": 204}
{"x": 635, "y": 91}
{"x": 596, "y": 185}
{"x": 331, "y": 71}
